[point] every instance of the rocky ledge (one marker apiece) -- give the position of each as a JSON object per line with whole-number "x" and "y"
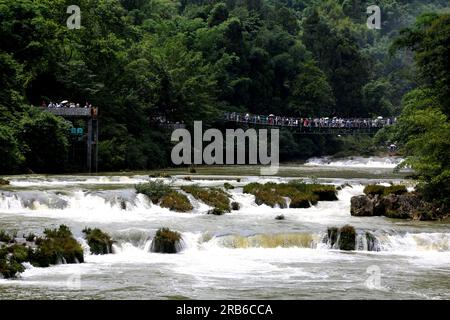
{"x": 394, "y": 202}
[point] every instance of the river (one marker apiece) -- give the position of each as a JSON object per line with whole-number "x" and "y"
{"x": 246, "y": 254}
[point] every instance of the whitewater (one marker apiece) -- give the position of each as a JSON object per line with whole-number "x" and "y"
{"x": 245, "y": 254}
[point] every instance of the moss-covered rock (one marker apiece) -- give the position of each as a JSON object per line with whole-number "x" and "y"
{"x": 155, "y": 190}
{"x": 9, "y": 268}
{"x": 216, "y": 212}
{"x": 166, "y": 241}
{"x": 374, "y": 189}
{"x": 235, "y": 206}
{"x": 228, "y": 186}
{"x": 31, "y": 237}
{"x": 395, "y": 189}
{"x": 176, "y": 201}
{"x": 302, "y": 195}
{"x": 99, "y": 242}
{"x": 58, "y": 246}
{"x": 6, "y": 237}
{"x": 347, "y": 238}
{"x": 213, "y": 197}
{"x": 3, "y": 182}
{"x": 159, "y": 175}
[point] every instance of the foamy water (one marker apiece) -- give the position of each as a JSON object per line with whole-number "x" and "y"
{"x": 245, "y": 254}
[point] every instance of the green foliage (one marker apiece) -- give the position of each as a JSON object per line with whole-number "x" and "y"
{"x": 213, "y": 197}
{"x": 6, "y": 237}
{"x": 99, "y": 242}
{"x": 302, "y": 195}
{"x": 374, "y": 189}
{"x": 166, "y": 241}
{"x": 137, "y": 60}
{"x": 395, "y": 189}
{"x": 12, "y": 158}
{"x": 43, "y": 136}
{"x": 58, "y": 246}
{"x": 228, "y": 186}
{"x": 176, "y": 201}
{"x": 155, "y": 190}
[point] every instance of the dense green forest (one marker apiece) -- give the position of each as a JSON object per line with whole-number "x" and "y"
{"x": 195, "y": 59}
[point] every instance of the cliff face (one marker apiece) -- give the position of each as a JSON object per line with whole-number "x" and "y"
{"x": 404, "y": 206}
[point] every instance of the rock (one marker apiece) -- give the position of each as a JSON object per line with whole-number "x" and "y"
{"x": 176, "y": 201}
{"x": 228, "y": 186}
{"x": 166, "y": 241}
{"x": 216, "y": 212}
{"x": 361, "y": 206}
{"x": 347, "y": 238}
{"x": 98, "y": 241}
{"x": 58, "y": 246}
{"x": 332, "y": 236}
{"x": 299, "y": 201}
{"x": 280, "y": 217}
{"x": 3, "y": 182}
{"x": 235, "y": 206}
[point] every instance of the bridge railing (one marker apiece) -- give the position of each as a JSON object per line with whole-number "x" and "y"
{"x": 305, "y": 123}
{"x": 73, "y": 112}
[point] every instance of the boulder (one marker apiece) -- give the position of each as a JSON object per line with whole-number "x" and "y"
{"x": 166, "y": 241}
{"x": 366, "y": 206}
{"x": 3, "y": 182}
{"x": 99, "y": 242}
{"x": 347, "y": 238}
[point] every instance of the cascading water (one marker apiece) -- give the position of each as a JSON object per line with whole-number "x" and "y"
{"x": 243, "y": 254}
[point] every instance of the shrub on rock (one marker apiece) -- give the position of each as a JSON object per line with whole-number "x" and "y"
{"x": 213, "y": 197}
{"x": 6, "y": 237}
{"x": 216, "y": 212}
{"x": 99, "y": 242}
{"x": 166, "y": 241}
{"x": 228, "y": 186}
{"x": 58, "y": 246}
{"x": 176, "y": 201}
{"x": 347, "y": 238}
{"x": 235, "y": 206}
{"x": 373, "y": 189}
{"x": 9, "y": 268}
{"x": 395, "y": 189}
{"x": 155, "y": 190}
{"x": 300, "y": 201}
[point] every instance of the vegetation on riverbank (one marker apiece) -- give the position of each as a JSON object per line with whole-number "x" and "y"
{"x": 186, "y": 60}
{"x": 423, "y": 128}
{"x": 396, "y": 202}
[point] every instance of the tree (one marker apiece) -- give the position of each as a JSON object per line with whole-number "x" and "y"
{"x": 45, "y": 141}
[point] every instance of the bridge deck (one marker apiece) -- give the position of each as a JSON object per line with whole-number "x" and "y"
{"x": 71, "y": 112}
{"x": 312, "y": 126}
